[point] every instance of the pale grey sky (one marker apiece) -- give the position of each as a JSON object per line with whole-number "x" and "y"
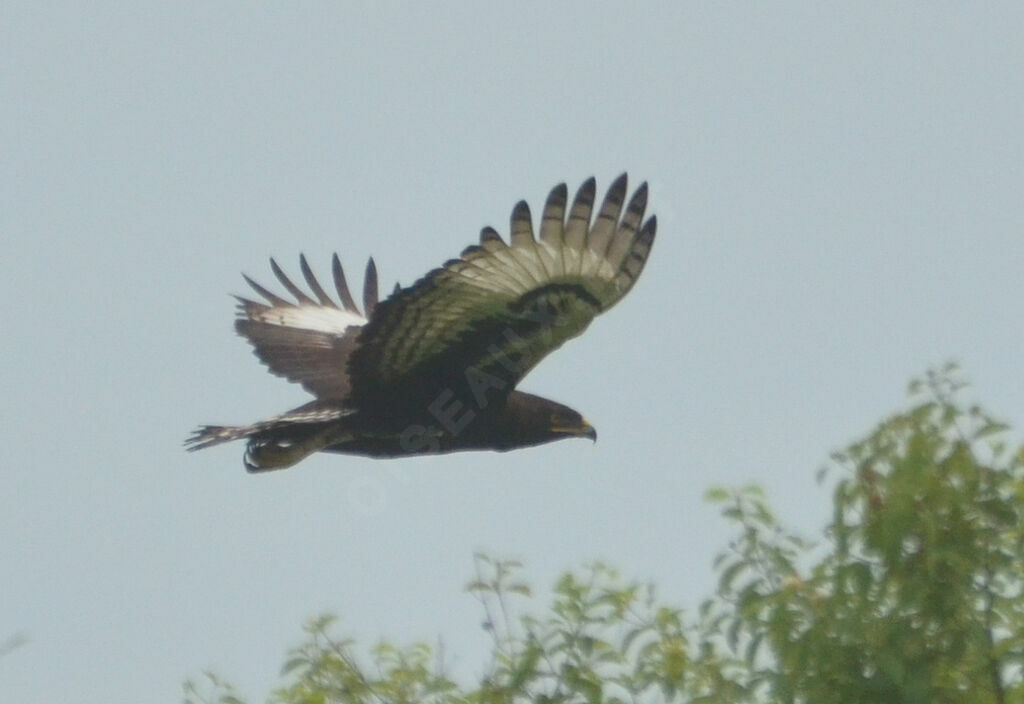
{"x": 839, "y": 200}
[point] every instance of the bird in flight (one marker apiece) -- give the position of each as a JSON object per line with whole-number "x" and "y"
{"x": 433, "y": 368}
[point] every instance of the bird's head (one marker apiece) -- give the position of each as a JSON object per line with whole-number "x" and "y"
{"x": 532, "y": 420}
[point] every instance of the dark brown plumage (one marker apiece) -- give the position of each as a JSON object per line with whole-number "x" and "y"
{"x": 433, "y": 368}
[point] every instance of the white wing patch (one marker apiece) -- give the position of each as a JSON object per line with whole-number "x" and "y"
{"x": 307, "y": 317}
{"x": 308, "y": 340}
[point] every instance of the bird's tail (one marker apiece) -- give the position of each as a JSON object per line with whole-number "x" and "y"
{"x": 278, "y": 442}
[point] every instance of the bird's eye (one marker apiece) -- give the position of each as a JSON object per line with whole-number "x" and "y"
{"x": 561, "y": 421}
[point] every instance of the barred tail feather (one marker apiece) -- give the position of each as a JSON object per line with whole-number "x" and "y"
{"x": 209, "y": 435}
{"x": 281, "y": 441}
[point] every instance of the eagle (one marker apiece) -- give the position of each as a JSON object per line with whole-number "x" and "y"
{"x": 434, "y": 367}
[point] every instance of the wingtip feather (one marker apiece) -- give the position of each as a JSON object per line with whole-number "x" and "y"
{"x": 314, "y": 285}
{"x": 341, "y": 285}
{"x": 299, "y": 294}
{"x": 552, "y": 222}
{"x": 270, "y": 296}
{"x": 521, "y": 225}
{"x": 370, "y": 288}
{"x": 601, "y": 234}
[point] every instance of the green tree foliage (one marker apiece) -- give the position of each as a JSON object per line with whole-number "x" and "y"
{"x": 914, "y": 593}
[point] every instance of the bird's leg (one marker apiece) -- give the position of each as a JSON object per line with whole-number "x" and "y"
{"x": 264, "y": 455}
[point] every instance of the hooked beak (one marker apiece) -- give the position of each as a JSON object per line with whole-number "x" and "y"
{"x": 583, "y": 430}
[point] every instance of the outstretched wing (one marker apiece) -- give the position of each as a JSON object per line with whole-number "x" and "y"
{"x": 500, "y": 308}
{"x": 307, "y": 341}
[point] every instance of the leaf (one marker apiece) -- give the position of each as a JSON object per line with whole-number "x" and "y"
{"x": 632, "y": 634}
{"x": 716, "y": 494}
{"x": 858, "y": 574}
{"x": 729, "y": 575}
{"x": 526, "y": 669}
{"x": 990, "y": 428}
{"x": 294, "y": 664}
{"x": 752, "y": 648}
{"x": 732, "y": 634}
{"x": 519, "y": 588}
